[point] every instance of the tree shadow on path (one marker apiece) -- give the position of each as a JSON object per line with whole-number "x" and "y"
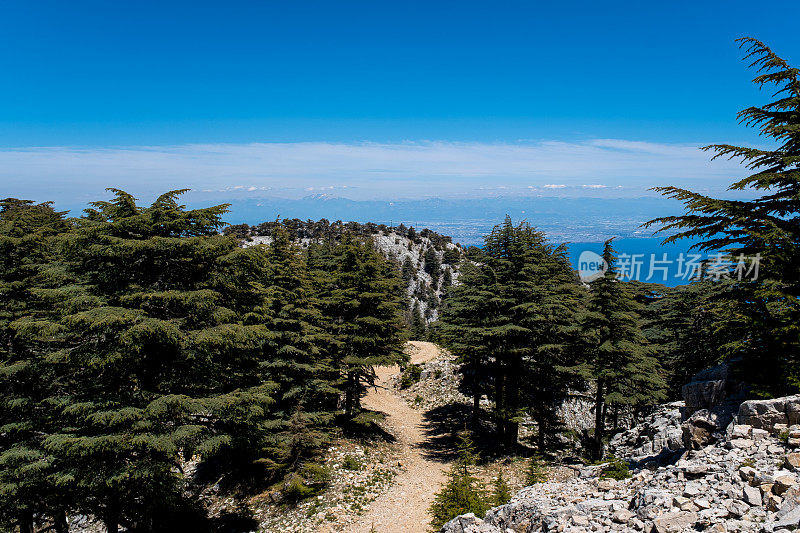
{"x": 442, "y": 426}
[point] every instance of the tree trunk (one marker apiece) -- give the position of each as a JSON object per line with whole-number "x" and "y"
{"x": 26, "y": 522}
{"x": 111, "y": 515}
{"x": 349, "y": 395}
{"x": 512, "y": 435}
{"x": 499, "y": 403}
{"x": 112, "y": 524}
{"x": 599, "y": 421}
{"x": 476, "y": 403}
{"x": 542, "y": 431}
{"x": 60, "y": 522}
{"x": 512, "y": 403}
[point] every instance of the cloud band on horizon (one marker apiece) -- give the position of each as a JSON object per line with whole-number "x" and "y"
{"x": 364, "y": 170}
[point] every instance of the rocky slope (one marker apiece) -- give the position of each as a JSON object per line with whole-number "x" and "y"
{"x": 421, "y": 288}
{"x": 747, "y": 480}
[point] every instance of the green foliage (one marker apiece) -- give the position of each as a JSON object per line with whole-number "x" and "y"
{"x": 418, "y": 324}
{"x": 501, "y": 492}
{"x": 512, "y": 323}
{"x": 536, "y": 472}
{"x": 410, "y": 375}
{"x": 761, "y": 335}
{"x": 463, "y": 492}
{"x": 432, "y": 264}
{"x": 452, "y": 256}
{"x": 362, "y": 299}
{"x": 618, "y": 357}
{"x": 615, "y": 469}
{"x": 136, "y": 337}
{"x": 408, "y": 271}
{"x": 350, "y": 462}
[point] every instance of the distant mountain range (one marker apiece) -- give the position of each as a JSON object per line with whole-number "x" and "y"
{"x": 467, "y": 220}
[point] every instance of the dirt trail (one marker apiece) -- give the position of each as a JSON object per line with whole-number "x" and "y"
{"x": 404, "y": 508}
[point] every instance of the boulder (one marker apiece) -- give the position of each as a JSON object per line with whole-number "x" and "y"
{"x": 698, "y": 430}
{"x": 622, "y": 516}
{"x": 466, "y": 523}
{"x": 783, "y": 483}
{"x": 751, "y": 496}
{"x": 674, "y": 522}
{"x": 792, "y": 461}
{"x": 767, "y": 414}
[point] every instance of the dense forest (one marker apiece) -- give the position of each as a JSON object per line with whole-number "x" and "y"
{"x": 136, "y": 340}
{"x": 141, "y": 343}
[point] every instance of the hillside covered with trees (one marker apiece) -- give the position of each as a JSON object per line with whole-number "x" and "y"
{"x": 146, "y": 347}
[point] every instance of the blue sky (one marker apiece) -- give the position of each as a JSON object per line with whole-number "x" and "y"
{"x": 394, "y": 99}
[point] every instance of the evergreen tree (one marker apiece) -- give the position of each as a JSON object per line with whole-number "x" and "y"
{"x": 296, "y": 352}
{"x": 452, "y": 256}
{"x": 463, "y": 329}
{"x": 513, "y": 315}
{"x": 619, "y": 359}
{"x": 432, "y": 264}
{"x": 28, "y": 383}
{"x": 767, "y": 226}
{"x": 536, "y": 471}
{"x": 418, "y": 325}
{"x": 408, "y": 271}
{"x": 447, "y": 278}
{"x": 463, "y": 492}
{"x": 154, "y": 357}
{"x": 690, "y": 324}
{"x": 363, "y": 302}
{"x": 501, "y": 493}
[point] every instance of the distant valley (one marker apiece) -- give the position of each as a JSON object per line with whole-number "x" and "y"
{"x": 468, "y": 220}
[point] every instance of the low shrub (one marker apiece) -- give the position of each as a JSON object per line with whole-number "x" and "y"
{"x": 615, "y": 469}
{"x": 411, "y": 375}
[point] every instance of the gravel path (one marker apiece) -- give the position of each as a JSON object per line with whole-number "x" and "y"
{"x": 404, "y": 508}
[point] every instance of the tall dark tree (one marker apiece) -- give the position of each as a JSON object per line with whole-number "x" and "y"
{"x": 154, "y": 355}
{"x": 364, "y": 304}
{"x": 432, "y": 264}
{"x": 511, "y": 318}
{"x": 408, "y": 271}
{"x": 618, "y": 357}
{"x": 418, "y": 325}
{"x": 767, "y": 226}
{"x": 296, "y": 353}
{"x": 462, "y": 328}
{"x": 28, "y": 382}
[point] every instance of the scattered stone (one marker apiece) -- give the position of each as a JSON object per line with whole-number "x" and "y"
{"x": 734, "y": 482}
{"x": 622, "y": 516}
{"x": 674, "y": 522}
{"x": 793, "y": 461}
{"x": 702, "y": 504}
{"x": 747, "y": 473}
{"x": 783, "y": 483}
{"x": 751, "y": 495}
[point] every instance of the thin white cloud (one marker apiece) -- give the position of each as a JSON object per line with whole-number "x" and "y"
{"x": 594, "y": 186}
{"x": 368, "y": 170}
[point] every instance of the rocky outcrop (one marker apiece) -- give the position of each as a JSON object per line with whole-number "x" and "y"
{"x": 707, "y": 389}
{"x": 770, "y": 414}
{"x": 656, "y": 437}
{"x": 711, "y": 401}
{"x": 747, "y": 480}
